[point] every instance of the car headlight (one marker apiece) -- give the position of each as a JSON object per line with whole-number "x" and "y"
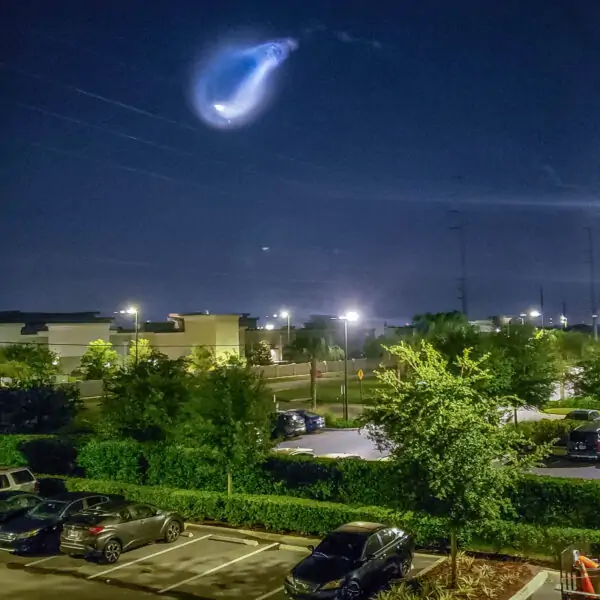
{"x": 27, "y": 534}
{"x": 332, "y": 585}
{"x": 290, "y": 579}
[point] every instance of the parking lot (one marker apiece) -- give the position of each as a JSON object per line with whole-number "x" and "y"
{"x": 209, "y": 565}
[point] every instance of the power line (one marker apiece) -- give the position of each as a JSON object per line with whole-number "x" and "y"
{"x": 121, "y": 167}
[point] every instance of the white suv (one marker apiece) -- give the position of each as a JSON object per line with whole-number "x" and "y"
{"x": 17, "y": 479}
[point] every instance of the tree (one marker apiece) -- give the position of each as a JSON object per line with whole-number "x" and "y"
{"x": 261, "y": 354}
{"x": 146, "y": 400}
{"x": 428, "y": 324}
{"x": 444, "y": 437}
{"x": 231, "y": 410}
{"x": 572, "y": 348}
{"x": 311, "y": 345}
{"x": 41, "y": 409}
{"x": 144, "y": 350}
{"x": 29, "y": 364}
{"x": 100, "y": 360}
{"x": 201, "y": 359}
{"x": 586, "y": 377}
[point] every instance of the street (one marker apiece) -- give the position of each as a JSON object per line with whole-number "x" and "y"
{"x": 353, "y": 441}
{"x": 213, "y": 564}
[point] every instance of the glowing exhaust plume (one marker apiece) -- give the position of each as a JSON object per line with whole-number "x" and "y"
{"x": 233, "y": 88}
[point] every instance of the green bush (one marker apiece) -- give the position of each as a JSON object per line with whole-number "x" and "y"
{"x": 310, "y": 517}
{"x": 546, "y": 430}
{"x": 577, "y": 402}
{"x": 115, "y": 460}
{"x": 42, "y": 453}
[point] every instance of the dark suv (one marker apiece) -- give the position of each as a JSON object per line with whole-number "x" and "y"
{"x": 584, "y": 442}
{"x": 108, "y": 530}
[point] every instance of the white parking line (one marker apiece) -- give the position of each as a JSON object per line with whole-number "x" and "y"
{"x": 137, "y": 560}
{"x": 37, "y": 562}
{"x": 269, "y": 594}
{"x": 214, "y": 569}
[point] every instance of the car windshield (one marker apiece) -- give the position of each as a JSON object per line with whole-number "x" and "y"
{"x": 49, "y": 508}
{"x": 10, "y": 503}
{"x": 578, "y": 414}
{"x": 342, "y": 544}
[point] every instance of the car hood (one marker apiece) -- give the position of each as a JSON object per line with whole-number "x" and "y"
{"x": 320, "y": 569}
{"x": 27, "y": 523}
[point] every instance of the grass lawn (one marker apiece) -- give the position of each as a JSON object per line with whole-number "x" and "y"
{"x": 558, "y": 411}
{"x": 330, "y": 391}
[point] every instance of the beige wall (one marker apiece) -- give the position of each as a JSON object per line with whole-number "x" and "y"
{"x": 72, "y": 339}
{"x": 10, "y": 333}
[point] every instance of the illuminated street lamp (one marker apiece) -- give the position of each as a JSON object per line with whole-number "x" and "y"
{"x": 285, "y": 314}
{"x": 351, "y": 316}
{"x": 133, "y": 310}
{"x": 269, "y": 326}
{"x": 523, "y": 316}
{"x": 564, "y": 321}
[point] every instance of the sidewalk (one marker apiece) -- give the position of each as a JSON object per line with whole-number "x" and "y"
{"x": 548, "y": 591}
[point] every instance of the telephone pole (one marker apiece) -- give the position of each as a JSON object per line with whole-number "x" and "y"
{"x": 462, "y": 245}
{"x": 593, "y": 302}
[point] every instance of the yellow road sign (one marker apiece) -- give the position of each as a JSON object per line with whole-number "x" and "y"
{"x": 360, "y": 374}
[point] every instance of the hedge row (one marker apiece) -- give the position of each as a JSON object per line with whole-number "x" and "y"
{"x": 311, "y": 517}
{"x": 545, "y": 501}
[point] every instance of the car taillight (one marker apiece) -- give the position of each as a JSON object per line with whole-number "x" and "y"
{"x": 96, "y": 530}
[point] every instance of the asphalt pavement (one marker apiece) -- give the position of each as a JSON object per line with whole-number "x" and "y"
{"x": 211, "y": 565}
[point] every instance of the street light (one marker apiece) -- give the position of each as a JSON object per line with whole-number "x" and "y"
{"x": 269, "y": 326}
{"x": 285, "y": 314}
{"x": 351, "y": 316}
{"x": 132, "y": 310}
{"x": 564, "y": 320}
{"x": 523, "y": 316}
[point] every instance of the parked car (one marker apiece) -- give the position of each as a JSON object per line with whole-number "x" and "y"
{"x": 351, "y": 561}
{"x": 15, "y": 504}
{"x": 312, "y": 421}
{"x": 340, "y": 455}
{"x": 39, "y": 529}
{"x": 288, "y": 425}
{"x": 584, "y": 414}
{"x": 18, "y": 479}
{"x": 107, "y": 530}
{"x": 295, "y": 451}
{"x": 584, "y": 442}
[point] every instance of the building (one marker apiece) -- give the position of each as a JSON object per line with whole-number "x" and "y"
{"x": 68, "y": 334}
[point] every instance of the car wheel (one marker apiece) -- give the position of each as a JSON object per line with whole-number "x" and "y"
{"x": 404, "y": 566}
{"x": 112, "y": 551}
{"x": 352, "y": 591}
{"x": 172, "y": 531}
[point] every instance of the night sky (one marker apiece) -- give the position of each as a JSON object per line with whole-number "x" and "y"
{"x": 388, "y": 116}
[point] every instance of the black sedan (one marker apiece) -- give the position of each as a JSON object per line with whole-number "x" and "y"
{"x": 14, "y": 504}
{"x": 584, "y": 414}
{"x": 312, "y": 421}
{"x": 288, "y": 425}
{"x": 109, "y": 529}
{"x": 39, "y": 529}
{"x": 352, "y": 561}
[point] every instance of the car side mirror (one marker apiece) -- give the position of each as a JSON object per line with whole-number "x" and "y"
{"x": 311, "y": 548}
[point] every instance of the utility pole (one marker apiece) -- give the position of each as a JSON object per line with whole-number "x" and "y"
{"x": 593, "y": 302}
{"x": 542, "y": 306}
{"x": 462, "y": 245}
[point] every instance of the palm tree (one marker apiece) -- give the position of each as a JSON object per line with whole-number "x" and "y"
{"x": 428, "y": 324}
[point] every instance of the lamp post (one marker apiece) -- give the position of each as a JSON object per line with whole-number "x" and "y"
{"x": 132, "y": 310}
{"x": 523, "y": 316}
{"x": 285, "y": 314}
{"x": 351, "y": 316}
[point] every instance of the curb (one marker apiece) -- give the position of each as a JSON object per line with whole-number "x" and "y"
{"x": 527, "y": 591}
{"x": 430, "y": 567}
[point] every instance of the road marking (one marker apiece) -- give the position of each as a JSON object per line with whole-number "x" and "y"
{"x": 215, "y": 569}
{"x": 137, "y": 560}
{"x": 269, "y": 594}
{"x": 37, "y": 562}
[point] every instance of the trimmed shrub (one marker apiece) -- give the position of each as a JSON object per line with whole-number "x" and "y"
{"x": 113, "y": 460}
{"x": 577, "y": 402}
{"x": 310, "y": 517}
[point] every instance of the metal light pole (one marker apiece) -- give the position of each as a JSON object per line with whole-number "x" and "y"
{"x": 285, "y": 314}
{"x": 594, "y": 305}
{"x": 349, "y": 316}
{"x": 132, "y": 310}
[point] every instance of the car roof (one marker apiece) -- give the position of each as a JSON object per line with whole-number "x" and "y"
{"x": 71, "y": 496}
{"x": 13, "y": 469}
{"x": 589, "y": 427}
{"x": 364, "y": 527}
{"x": 583, "y": 411}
